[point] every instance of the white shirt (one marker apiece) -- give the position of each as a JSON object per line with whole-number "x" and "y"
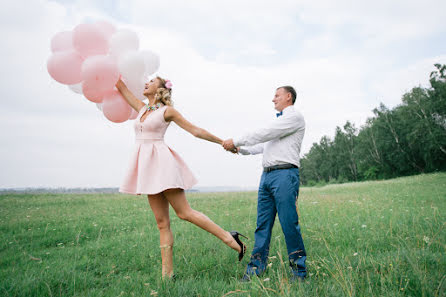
{"x": 280, "y": 141}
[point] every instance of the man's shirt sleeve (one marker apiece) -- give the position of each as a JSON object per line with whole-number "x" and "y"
{"x": 280, "y": 127}
{"x": 252, "y": 150}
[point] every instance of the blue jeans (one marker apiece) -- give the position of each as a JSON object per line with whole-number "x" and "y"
{"x": 278, "y": 191}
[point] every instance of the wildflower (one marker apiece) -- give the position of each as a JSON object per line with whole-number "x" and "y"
{"x": 355, "y": 254}
{"x": 426, "y": 239}
{"x": 364, "y": 226}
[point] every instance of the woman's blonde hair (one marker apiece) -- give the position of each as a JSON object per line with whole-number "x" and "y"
{"x": 163, "y": 93}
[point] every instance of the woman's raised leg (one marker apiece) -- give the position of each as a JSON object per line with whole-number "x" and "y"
{"x": 177, "y": 198}
{"x": 160, "y": 208}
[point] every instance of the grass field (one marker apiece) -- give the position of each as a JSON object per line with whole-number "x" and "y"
{"x": 384, "y": 238}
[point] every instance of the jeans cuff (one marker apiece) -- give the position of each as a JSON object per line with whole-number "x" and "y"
{"x": 256, "y": 265}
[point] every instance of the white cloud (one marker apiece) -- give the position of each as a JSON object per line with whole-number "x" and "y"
{"x": 390, "y": 86}
{"x": 53, "y": 137}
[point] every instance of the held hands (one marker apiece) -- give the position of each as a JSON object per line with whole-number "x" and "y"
{"x": 228, "y": 145}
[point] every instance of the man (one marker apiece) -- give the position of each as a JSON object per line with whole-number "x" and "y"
{"x": 280, "y": 143}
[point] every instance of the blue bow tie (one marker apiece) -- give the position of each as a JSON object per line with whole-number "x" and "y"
{"x": 279, "y": 114}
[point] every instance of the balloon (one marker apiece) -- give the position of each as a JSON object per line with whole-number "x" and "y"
{"x": 92, "y": 57}
{"x": 133, "y": 114}
{"x": 151, "y": 61}
{"x": 123, "y": 41}
{"x": 62, "y": 41}
{"x": 115, "y": 108}
{"x": 89, "y": 40}
{"x": 101, "y": 73}
{"x": 137, "y": 88}
{"x": 77, "y": 88}
{"x": 65, "y": 67}
{"x": 106, "y": 28}
{"x": 91, "y": 93}
{"x": 131, "y": 66}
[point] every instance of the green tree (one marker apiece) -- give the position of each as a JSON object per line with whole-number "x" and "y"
{"x": 405, "y": 140}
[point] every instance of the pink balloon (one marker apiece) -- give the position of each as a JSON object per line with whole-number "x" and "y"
{"x": 89, "y": 40}
{"x": 65, "y": 67}
{"x": 133, "y": 115}
{"x": 91, "y": 93}
{"x": 62, "y": 41}
{"x": 115, "y": 108}
{"x": 106, "y": 28}
{"x": 101, "y": 73}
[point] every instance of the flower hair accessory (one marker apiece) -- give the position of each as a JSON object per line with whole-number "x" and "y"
{"x": 168, "y": 84}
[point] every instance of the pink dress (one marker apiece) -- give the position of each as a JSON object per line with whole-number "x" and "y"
{"x": 154, "y": 166}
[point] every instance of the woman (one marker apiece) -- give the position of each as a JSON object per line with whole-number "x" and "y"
{"x": 158, "y": 171}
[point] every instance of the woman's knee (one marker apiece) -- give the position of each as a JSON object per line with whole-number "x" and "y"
{"x": 186, "y": 215}
{"x": 163, "y": 224}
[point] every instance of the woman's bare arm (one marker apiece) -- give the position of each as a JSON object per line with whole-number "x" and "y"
{"x": 171, "y": 114}
{"x": 134, "y": 102}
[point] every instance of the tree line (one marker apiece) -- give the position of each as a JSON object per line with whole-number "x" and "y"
{"x": 408, "y": 139}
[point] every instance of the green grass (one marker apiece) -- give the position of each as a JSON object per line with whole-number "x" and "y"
{"x": 384, "y": 238}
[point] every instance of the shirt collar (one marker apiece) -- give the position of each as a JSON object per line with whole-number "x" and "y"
{"x": 287, "y": 109}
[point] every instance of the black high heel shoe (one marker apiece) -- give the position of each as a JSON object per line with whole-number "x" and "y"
{"x": 235, "y": 235}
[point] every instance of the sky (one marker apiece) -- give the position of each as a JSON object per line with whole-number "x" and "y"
{"x": 225, "y": 60}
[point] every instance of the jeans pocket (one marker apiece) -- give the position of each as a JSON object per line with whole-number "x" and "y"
{"x": 293, "y": 175}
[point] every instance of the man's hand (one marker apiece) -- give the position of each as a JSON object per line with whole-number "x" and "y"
{"x": 235, "y": 151}
{"x": 228, "y": 144}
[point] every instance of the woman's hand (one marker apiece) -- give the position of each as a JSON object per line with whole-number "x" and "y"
{"x": 131, "y": 99}
{"x": 120, "y": 84}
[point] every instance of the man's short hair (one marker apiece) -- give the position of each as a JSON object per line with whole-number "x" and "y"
{"x": 290, "y": 90}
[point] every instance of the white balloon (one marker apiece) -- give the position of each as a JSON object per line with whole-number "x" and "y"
{"x": 137, "y": 88}
{"x": 151, "y": 61}
{"x": 99, "y": 106}
{"x": 122, "y": 41}
{"x": 77, "y": 88}
{"x": 131, "y": 65}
